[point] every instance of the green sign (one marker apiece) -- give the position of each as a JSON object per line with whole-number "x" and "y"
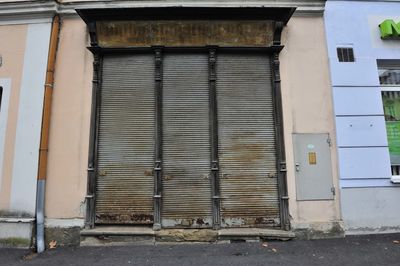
{"x": 389, "y": 29}
{"x": 391, "y": 107}
{"x": 393, "y": 133}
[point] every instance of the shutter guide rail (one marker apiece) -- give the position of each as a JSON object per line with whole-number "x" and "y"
{"x": 93, "y": 143}
{"x": 214, "y": 138}
{"x": 158, "y": 139}
{"x": 280, "y": 152}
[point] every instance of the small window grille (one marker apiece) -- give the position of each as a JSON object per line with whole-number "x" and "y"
{"x": 395, "y": 169}
{"x": 345, "y": 54}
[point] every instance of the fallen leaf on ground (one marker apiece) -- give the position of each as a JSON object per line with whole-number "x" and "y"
{"x": 274, "y": 250}
{"x": 396, "y": 241}
{"x": 29, "y": 256}
{"x": 52, "y": 244}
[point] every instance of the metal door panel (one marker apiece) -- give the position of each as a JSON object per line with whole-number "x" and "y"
{"x": 312, "y": 155}
{"x": 126, "y": 141}
{"x": 247, "y": 151}
{"x": 186, "y": 141}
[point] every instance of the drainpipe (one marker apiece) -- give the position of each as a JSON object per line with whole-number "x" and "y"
{"x": 44, "y": 140}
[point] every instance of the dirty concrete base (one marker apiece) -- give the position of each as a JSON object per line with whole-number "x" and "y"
{"x": 62, "y": 236}
{"x": 180, "y": 235}
{"x": 16, "y": 232}
{"x": 126, "y": 235}
{"x": 319, "y": 231}
{"x": 372, "y": 230}
{"x": 15, "y": 242}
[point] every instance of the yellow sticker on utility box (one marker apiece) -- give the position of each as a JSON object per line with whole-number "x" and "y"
{"x": 312, "y": 158}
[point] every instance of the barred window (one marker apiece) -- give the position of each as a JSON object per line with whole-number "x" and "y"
{"x": 345, "y": 54}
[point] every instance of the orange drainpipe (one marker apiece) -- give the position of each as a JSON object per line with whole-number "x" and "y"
{"x": 44, "y": 140}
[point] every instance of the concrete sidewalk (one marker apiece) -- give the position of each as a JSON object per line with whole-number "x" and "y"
{"x": 352, "y": 250}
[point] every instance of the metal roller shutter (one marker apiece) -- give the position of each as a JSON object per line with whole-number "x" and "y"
{"x": 186, "y": 141}
{"x": 126, "y": 140}
{"x": 247, "y": 153}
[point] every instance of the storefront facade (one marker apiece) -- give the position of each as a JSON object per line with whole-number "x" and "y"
{"x": 205, "y": 118}
{"x": 188, "y": 102}
{"x": 364, "y": 59}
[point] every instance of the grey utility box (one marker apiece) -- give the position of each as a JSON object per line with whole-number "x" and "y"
{"x": 313, "y": 168}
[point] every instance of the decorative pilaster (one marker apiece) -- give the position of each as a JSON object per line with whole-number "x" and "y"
{"x": 281, "y": 156}
{"x": 158, "y": 138}
{"x": 212, "y": 59}
{"x": 91, "y": 186}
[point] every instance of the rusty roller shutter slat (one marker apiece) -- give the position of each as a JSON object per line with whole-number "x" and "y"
{"x": 247, "y": 152}
{"x": 186, "y": 141}
{"x": 126, "y": 141}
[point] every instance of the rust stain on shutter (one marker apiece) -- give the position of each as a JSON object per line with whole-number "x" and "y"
{"x": 126, "y": 141}
{"x": 247, "y": 153}
{"x": 186, "y": 141}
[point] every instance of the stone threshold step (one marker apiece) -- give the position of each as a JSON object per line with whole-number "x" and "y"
{"x": 195, "y": 235}
{"x": 119, "y": 231}
{"x": 256, "y": 232}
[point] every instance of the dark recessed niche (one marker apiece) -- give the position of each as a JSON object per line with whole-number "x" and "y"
{"x": 1, "y": 96}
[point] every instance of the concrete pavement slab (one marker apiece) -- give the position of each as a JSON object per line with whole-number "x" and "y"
{"x": 353, "y": 250}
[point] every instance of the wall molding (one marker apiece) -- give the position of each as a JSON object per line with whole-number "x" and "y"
{"x": 64, "y": 223}
{"x": 27, "y": 12}
{"x": 35, "y": 11}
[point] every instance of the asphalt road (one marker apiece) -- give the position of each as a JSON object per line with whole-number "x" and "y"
{"x": 352, "y": 250}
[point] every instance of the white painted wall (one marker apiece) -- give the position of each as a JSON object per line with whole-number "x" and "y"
{"x": 357, "y": 99}
{"x": 23, "y": 188}
{"x": 6, "y": 85}
{"x": 369, "y": 201}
